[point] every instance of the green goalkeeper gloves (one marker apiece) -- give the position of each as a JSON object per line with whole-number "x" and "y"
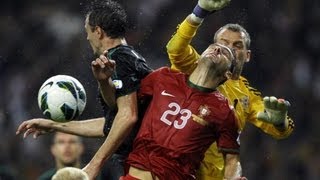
{"x": 213, "y": 5}
{"x": 275, "y": 111}
{"x": 206, "y": 7}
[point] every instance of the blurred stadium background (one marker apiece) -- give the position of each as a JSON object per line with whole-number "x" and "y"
{"x": 39, "y": 39}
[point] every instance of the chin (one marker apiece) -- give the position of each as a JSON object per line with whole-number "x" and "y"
{"x": 69, "y": 163}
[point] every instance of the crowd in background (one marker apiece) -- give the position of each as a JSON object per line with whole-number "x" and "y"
{"x": 39, "y": 39}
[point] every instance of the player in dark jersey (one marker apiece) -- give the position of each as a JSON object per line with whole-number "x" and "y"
{"x": 185, "y": 116}
{"x": 105, "y": 25}
{"x": 131, "y": 68}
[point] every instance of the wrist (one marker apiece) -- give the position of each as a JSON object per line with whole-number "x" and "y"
{"x": 194, "y": 20}
{"x": 282, "y": 126}
{"x": 101, "y": 81}
{"x": 200, "y": 12}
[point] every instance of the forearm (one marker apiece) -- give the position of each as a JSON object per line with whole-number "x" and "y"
{"x": 107, "y": 91}
{"x": 86, "y": 128}
{"x": 181, "y": 54}
{"x": 182, "y": 38}
{"x": 123, "y": 123}
{"x": 118, "y": 133}
{"x": 277, "y": 133}
{"x": 232, "y": 167}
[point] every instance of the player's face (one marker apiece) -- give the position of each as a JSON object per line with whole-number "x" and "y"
{"x": 218, "y": 54}
{"x": 92, "y": 36}
{"x": 235, "y": 41}
{"x": 67, "y": 148}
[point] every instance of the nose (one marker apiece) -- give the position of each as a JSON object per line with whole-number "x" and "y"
{"x": 217, "y": 50}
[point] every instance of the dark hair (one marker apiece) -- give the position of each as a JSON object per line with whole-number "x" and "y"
{"x": 235, "y": 28}
{"x": 108, "y": 15}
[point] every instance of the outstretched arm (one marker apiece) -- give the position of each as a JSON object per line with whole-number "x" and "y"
{"x": 274, "y": 121}
{"x": 39, "y": 126}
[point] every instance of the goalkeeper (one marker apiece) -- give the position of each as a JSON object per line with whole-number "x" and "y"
{"x": 269, "y": 113}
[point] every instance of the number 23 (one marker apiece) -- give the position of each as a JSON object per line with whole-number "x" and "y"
{"x": 174, "y": 110}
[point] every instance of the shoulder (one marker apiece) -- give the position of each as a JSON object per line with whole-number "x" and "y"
{"x": 166, "y": 71}
{"x": 244, "y": 83}
{"x": 244, "y": 80}
{"x": 163, "y": 74}
{"x": 220, "y": 103}
{"x": 125, "y": 51}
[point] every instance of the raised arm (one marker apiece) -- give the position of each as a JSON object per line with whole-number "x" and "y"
{"x": 182, "y": 55}
{"x": 121, "y": 127}
{"x": 102, "y": 69}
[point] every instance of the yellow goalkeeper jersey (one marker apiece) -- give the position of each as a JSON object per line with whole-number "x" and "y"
{"x": 246, "y": 100}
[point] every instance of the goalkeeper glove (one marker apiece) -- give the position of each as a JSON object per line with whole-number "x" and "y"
{"x": 275, "y": 111}
{"x": 206, "y": 7}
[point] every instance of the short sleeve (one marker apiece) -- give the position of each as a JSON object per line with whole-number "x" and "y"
{"x": 148, "y": 83}
{"x": 130, "y": 69}
{"x": 228, "y": 136}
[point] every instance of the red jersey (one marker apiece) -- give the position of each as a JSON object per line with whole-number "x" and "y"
{"x": 179, "y": 126}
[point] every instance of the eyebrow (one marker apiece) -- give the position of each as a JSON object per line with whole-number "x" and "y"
{"x": 239, "y": 42}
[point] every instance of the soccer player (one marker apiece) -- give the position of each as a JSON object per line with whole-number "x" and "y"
{"x": 268, "y": 114}
{"x": 106, "y": 25}
{"x": 70, "y": 173}
{"x": 186, "y": 114}
{"x": 66, "y": 150}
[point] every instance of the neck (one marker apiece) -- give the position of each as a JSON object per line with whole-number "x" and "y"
{"x": 203, "y": 80}
{"x": 109, "y": 43}
{"x": 200, "y": 88}
{"x": 237, "y": 71}
{"x": 60, "y": 165}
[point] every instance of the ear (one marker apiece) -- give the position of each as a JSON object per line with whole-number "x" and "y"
{"x": 228, "y": 75}
{"x": 53, "y": 150}
{"x": 81, "y": 149}
{"x": 248, "y": 56}
{"x": 99, "y": 31}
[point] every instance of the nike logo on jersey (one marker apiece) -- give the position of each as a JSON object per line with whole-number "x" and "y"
{"x": 166, "y": 94}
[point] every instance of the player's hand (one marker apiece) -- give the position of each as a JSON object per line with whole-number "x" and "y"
{"x": 102, "y": 67}
{"x": 275, "y": 111}
{"x": 213, "y": 5}
{"x": 36, "y": 127}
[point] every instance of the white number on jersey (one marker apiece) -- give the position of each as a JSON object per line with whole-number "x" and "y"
{"x": 174, "y": 110}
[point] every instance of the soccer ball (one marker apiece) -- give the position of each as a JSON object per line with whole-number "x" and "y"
{"x": 62, "y": 98}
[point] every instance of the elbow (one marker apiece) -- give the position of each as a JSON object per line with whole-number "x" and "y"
{"x": 171, "y": 49}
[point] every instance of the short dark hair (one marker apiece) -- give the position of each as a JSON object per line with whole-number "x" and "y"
{"x": 235, "y": 28}
{"x": 108, "y": 15}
